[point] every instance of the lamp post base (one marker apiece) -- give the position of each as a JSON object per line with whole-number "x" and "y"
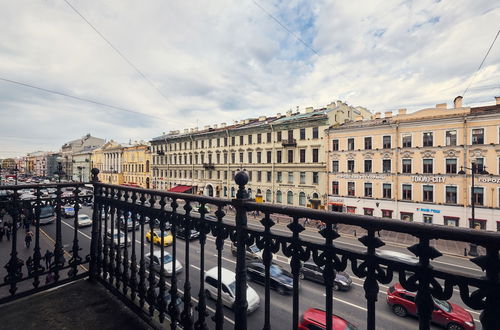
{"x": 473, "y": 250}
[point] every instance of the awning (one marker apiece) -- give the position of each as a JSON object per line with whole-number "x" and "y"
{"x": 335, "y": 203}
{"x": 180, "y": 189}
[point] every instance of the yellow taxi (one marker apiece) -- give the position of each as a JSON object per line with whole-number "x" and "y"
{"x": 167, "y": 237}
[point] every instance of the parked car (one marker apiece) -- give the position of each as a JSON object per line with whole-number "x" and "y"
{"x": 311, "y": 271}
{"x": 84, "y": 220}
{"x": 252, "y": 252}
{"x": 113, "y": 237}
{"x": 397, "y": 256}
{"x": 68, "y": 211}
{"x": 445, "y": 313}
{"x": 167, "y": 262}
{"x": 280, "y": 279}
{"x": 228, "y": 285}
{"x": 47, "y": 215}
{"x": 181, "y": 233}
{"x": 315, "y": 318}
{"x": 157, "y": 234}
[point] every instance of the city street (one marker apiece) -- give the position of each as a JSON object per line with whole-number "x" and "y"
{"x": 350, "y": 305}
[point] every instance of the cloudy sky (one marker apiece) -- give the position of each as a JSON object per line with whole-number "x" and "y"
{"x": 170, "y": 65}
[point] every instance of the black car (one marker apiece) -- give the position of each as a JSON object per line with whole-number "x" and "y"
{"x": 167, "y": 299}
{"x": 181, "y": 233}
{"x": 280, "y": 279}
{"x": 312, "y": 272}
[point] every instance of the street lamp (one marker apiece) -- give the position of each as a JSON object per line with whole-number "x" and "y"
{"x": 474, "y": 169}
{"x": 59, "y": 171}
{"x": 80, "y": 168}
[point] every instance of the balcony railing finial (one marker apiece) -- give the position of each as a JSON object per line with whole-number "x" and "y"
{"x": 241, "y": 179}
{"x": 95, "y": 173}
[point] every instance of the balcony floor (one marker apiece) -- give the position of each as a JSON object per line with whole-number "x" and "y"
{"x": 79, "y": 305}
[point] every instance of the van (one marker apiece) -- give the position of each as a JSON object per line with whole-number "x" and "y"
{"x": 228, "y": 292}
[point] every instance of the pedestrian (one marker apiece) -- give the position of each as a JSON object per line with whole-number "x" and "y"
{"x": 28, "y": 238}
{"x": 48, "y": 258}
{"x": 2, "y": 232}
{"x": 7, "y": 232}
{"x": 30, "y": 265}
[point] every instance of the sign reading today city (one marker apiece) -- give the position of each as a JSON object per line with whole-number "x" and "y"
{"x": 427, "y": 179}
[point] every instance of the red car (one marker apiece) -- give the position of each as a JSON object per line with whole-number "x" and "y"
{"x": 447, "y": 314}
{"x": 315, "y": 318}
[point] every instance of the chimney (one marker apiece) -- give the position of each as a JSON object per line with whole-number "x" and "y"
{"x": 457, "y": 102}
{"x": 186, "y": 130}
{"x": 497, "y": 100}
{"x": 215, "y": 126}
{"x": 377, "y": 115}
{"x": 223, "y": 125}
{"x": 388, "y": 114}
{"x": 309, "y": 109}
{"x": 402, "y": 112}
{"x": 262, "y": 118}
{"x": 289, "y": 113}
{"x": 441, "y": 106}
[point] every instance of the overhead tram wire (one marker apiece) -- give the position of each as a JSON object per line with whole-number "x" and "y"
{"x": 481, "y": 65}
{"x": 78, "y": 98}
{"x": 119, "y": 52}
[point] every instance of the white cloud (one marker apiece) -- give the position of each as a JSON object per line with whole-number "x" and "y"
{"x": 224, "y": 60}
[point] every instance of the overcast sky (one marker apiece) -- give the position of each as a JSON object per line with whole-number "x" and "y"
{"x": 208, "y": 62}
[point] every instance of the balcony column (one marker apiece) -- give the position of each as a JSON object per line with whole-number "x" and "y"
{"x": 241, "y": 304}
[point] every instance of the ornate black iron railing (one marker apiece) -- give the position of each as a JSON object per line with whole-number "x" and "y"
{"x": 138, "y": 267}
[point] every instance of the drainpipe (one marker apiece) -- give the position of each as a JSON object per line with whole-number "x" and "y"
{"x": 228, "y": 161}
{"x": 273, "y": 177}
{"x": 396, "y": 179}
{"x": 464, "y": 164}
{"x": 191, "y": 160}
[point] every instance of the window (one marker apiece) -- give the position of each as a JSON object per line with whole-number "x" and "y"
{"x": 278, "y": 136}
{"x": 477, "y": 224}
{"x": 406, "y": 216}
{"x": 428, "y": 193}
{"x": 451, "y": 221}
{"x": 335, "y": 187}
{"x": 290, "y": 135}
{"x": 302, "y": 133}
{"x": 302, "y": 177}
{"x": 250, "y": 139}
{"x": 368, "y": 143}
{"x": 351, "y": 209}
{"x": 233, "y": 158}
{"x": 386, "y": 190}
{"x": 428, "y": 139}
{"x": 368, "y": 189}
{"x": 250, "y": 154}
{"x": 269, "y": 176}
{"x": 350, "y": 144}
{"x": 451, "y": 165}
{"x": 225, "y": 145}
{"x": 290, "y": 177}
{"x": 368, "y": 211}
{"x": 427, "y": 218}
{"x": 386, "y": 165}
{"x": 278, "y": 156}
{"x": 406, "y": 192}
{"x": 225, "y": 158}
{"x": 269, "y": 138}
{"x": 451, "y": 138}
{"x": 259, "y": 176}
{"x": 241, "y": 157}
{"x": 289, "y": 197}
{"x": 279, "y": 176}
{"x": 210, "y": 143}
{"x": 302, "y": 155}
{"x": 451, "y": 194}
{"x": 315, "y": 177}
{"x": 407, "y": 141}
{"x": 386, "y": 142}
{"x": 406, "y": 165}
{"x": 427, "y": 165}
{"x": 269, "y": 157}
{"x": 368, "y": 165}
{"x": 478, "y": 195}
{"x": 302, "y": 198}
{"x": 387, "y": 214}
{"x": 335, "y": 166}
{"x": 315, "y": 133}
{"x": 290, "y": 156}
{"x": 335, "y": 145}
{"x": 350, "y": 165}
{"x": 268, "y": 196}
{"x": 315, "y": 155}
{"x": 479, "y": 164}
{"x": 351, "y": 189}
{"x": 279, "y": 197}
{"x": 250, "y": 175}
{"x": 478, "y": 136}
{"x": 241, "y": 140}
{"x": 259, "y": 138}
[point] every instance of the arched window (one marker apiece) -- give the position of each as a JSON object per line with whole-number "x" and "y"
{"x": 289, "y": 197}
{"x": 315, "y": 196}
{"x": 225, "y": 191}
{"x": 302, "y": 198}
{"x": 268, "y": 196}
{"x": 232, "y": 192}
{"x": 259, "y": 192}
{"x": 249, "y": 192}
{"x": 279, "y": 198}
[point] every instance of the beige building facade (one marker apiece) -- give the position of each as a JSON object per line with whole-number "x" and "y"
{"x": 136, "y": 165}
{"x": 284, "y": 156}
{"x": 408, "y": 166}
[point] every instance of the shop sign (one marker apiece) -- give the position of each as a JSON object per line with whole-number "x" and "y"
{"x": 428, "y": 210}
{"x": 362, "y": 176}
{"x": 488, "y": 180}
{"x": 427, "y": 179}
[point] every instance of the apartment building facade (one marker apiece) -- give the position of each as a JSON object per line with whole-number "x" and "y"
{"x": 136, "y": 165}
{"x": 408, "y": 166}
{"x": 284, "y": 156}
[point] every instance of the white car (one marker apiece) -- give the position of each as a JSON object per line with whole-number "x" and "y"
{"x": 167, "y": 262}
{"x": 84, "y": 220}
{"x": 116, "y": 233}
{"x": 398, "y": 256}
{"x": 228, "y": 286}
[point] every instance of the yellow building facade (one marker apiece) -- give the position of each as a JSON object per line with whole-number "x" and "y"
{"x": 136, "y": 162}
{"x": 108, "y": 159}
{"x": 408, "y": 166}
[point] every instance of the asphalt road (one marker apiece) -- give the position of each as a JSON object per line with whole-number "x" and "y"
{"x": 350, "y": 305}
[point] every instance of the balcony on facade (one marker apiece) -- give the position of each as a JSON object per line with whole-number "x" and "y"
{"x": 119, "y": 265}
{"x": 289, "y": 143}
